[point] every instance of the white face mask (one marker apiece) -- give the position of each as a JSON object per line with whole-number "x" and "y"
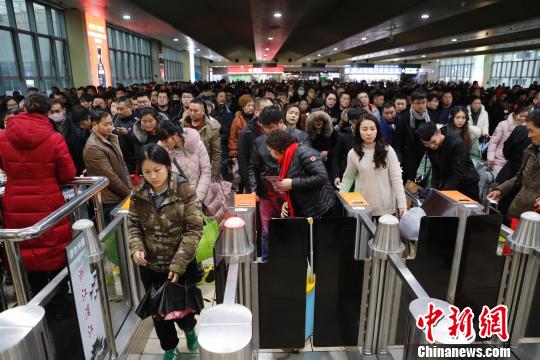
{"x": 57, "y": 117}
{"x": 301, "y": 92}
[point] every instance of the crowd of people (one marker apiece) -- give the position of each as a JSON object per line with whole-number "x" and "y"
{"x": 290, "y": 143}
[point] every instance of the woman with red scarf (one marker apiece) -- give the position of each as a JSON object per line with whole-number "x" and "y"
{"x": 304, "y": 183}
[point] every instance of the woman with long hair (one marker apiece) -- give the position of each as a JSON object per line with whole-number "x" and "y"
{"x": 374, "y": 168}
{"x": 164, "y": 227}
{"x": 459, "y": 123}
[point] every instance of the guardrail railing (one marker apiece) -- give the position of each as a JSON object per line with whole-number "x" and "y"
{"x": 12, "y": 236}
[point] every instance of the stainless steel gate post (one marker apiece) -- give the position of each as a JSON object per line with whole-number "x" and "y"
{"x": 96, "y": 256}
{"x": 382, "y": 285}
{"x": 226, "y": 329}
{"x": 25, "y": 334}
{"x": 523, "y": 274}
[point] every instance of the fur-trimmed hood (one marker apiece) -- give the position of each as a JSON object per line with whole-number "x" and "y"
{"x": 191, "y": 140}
{"x": 327, "y": 126}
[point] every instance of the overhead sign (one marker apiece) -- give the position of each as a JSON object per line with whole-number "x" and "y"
{"x": 98, "y": 50}
{"x": 250, "y": 69}
{"x": 84, "y": 284}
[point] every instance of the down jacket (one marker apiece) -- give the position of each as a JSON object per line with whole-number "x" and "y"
{"x": 210, "y": 136}
{"x": 194, "y": 161}
{"x": 482, "y": 126}
{"x": 36, "y": 160}
{"x": 311, "y": 193}
{"x": 168, "y": 235}
{"x": 496, "y": 143}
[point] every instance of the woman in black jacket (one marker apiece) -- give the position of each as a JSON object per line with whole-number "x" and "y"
{"x": 322, "y": 136}
{"x": 513, "y": 150}
{"x": 304, "y": 181}
{"x": 144, "y": 132}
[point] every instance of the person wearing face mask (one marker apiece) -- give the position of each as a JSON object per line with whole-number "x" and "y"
{"x": 188, "y": 155}
{"x": 373, "y": 167}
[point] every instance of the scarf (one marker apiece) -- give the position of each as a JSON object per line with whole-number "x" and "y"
{"x": 284, "y": 164}
{"x": 415, "y": 115}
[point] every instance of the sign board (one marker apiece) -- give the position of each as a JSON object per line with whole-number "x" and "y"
{"x": 458, "y": 197}
{"x": 249, "y": 69}
{"x": 354, "y": 199}
{"x": 245, "y": 200}
{"x": 85, "y": 288}
{"x": 98, "y": 50}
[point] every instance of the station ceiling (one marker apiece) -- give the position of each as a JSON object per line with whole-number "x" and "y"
{"x": 337, "y": 31}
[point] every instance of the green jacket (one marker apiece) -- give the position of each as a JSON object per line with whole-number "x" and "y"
{"x": 169, "y": 234}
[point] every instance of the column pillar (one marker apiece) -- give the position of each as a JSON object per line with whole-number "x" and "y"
{"x": 488, "y": 64}
{"x": 188, "y": 65}
{"x": 156, "y": 49}
{"x": 78, "y": 47}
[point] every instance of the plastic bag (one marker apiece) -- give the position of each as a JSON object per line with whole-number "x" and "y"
{"x": 409, "y": 225}
{"x": 210, "y": 233}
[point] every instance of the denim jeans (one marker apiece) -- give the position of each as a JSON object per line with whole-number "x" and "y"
{"x": 269, "y": 208}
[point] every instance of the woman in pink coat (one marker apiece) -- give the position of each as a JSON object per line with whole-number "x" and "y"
{"x": 189, "y": 153}
{"x": 495, "y": 155}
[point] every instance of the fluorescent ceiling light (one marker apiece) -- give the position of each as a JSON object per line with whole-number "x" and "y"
{"x": 425, "y": 16}
{"x": 277, "y": 14}
{"x": 126, "y": 17}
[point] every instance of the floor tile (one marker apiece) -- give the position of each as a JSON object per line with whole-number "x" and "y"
{"x": 153, "y": 347}
{"x": 133, "y": 357}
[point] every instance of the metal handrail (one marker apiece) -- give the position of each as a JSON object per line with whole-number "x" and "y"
{"x": 407, "y": 276}
{"x": 97, "y": 183}
{"x": 11, "y": 236}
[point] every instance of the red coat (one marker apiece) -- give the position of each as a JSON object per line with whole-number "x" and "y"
{"x": 36, "y": 160}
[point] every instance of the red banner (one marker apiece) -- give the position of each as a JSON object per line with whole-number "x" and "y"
{"x": 249, "y": 69}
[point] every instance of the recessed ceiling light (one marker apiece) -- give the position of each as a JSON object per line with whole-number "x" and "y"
{"x": 423, "y": 55}
{"x": 126, "y": 17}
{"x": 438, "y": 60}
{"x": 270, "y": 38}
{"x": 277, "y": 14}
{"x": 175, "y": 39}
{"x": 454, "y": 40}
{"x": 467, "y": 50}
{"x": 335, "y": 49}
{"x": 267, "y": 49}
{"x": 531, "y": 51}
{"x": 308, "y": 59}
{"x": 198, "y": 49}
{"x": 319, "y": 55}
{"x": 425, "y": 16}
{"x": 364, "y": 38}
{"x": 401, "y": 49}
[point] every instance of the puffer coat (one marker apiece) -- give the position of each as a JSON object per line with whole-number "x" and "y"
{"x": 36, "y": 160}
{"x": 496, "y": 143}
{"x": 194, "y": 161}
{"x": 168, "y": 235}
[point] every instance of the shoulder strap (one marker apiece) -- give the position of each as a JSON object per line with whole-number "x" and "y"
{"x": 180, "y": 171}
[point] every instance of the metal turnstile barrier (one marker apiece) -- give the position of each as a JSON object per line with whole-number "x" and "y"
{"x": 25, "y": 334}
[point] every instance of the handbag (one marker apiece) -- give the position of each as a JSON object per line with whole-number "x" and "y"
{"x": 210, "y": 233}
{"x": 136, "y": 178}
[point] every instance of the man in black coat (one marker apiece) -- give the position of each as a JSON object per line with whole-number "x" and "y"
{"x": 409, "y": 148}
{"x": 452, "y": 167}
